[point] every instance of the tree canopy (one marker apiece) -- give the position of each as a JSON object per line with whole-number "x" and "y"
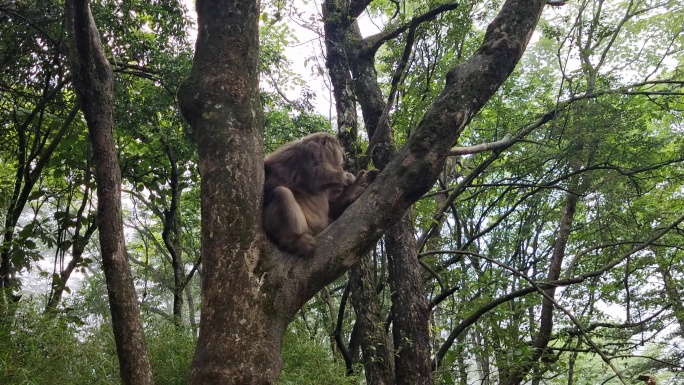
{"x": 525, "y": 226}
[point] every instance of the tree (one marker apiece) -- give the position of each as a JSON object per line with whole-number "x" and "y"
{"x": 250, "y": 292}
{"x": 94, "y": 87}
{"x": 570, "y": 197}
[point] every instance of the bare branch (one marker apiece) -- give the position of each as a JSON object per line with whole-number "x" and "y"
{"x": 478, "y": 148}
{"x": 376, "y": 41}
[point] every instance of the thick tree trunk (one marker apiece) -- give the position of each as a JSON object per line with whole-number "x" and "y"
{"x": 240, "y": 330}
{"x": 94, "y": 86}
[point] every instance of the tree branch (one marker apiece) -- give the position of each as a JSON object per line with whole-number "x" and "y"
{"x": 376, "y": 41}
{"x": 482, "y": 147}
{"x": 418, "y": 163}
{"x": 539, "y": 287}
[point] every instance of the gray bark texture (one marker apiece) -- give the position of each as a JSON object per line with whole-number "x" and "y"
{"x": 93, "y": 83}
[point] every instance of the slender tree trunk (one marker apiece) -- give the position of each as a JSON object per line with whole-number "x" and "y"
{"x": 462, "y": 367}
{"x": 346, "y": 56}
{"x": 170, "y": 235}
{"x": 377, "y": 355}
{"x": 335, "y": 24}
{"x": 94, "y": 86}
{"x": 541, "y": 341}
{"x": 572, "y": 361}
{"x": 31, "y": 161}
{"x": 80, "y": 241}
{"x": 369, "y": 323}
{"x": 674, "y": 297}
{"x": 482, "y": 359}
{"x": 410, "y": 316}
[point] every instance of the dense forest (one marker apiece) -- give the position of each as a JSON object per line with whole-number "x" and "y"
{"x": 525, "y": 227}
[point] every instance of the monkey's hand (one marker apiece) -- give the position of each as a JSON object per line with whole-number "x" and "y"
{"x": 349, "y": 178}
{"x": 339, "y": 200}
{"x": 366, "y": 177}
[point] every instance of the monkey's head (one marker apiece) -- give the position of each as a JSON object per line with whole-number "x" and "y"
{"x": 329, "y": 146}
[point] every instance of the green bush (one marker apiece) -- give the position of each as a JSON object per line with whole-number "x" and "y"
{"x": 171, "y": 350}
{"x": 309, "y": 362}
{"x": 48, "y": 350}
{"x": 39, "y": 349}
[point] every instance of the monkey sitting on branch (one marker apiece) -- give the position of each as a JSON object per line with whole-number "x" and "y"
{"x": 306, "y": 189}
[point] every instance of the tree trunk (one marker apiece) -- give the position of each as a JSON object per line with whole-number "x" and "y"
{"x": 240, "y": 330}
{"x": 377, "y": 355}
{"x": 516, "y": 375}
{"x": 348, "y": 54}
{"x": 80, "y": 241}
{"x": 94, "y": 87}
{"x": 31, "y": 160}
{"x": 672, "y": 293}
{"x": 410, "y": 316}
{"x": 170, "y": 235}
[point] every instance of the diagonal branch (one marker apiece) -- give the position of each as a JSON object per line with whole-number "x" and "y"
{"x": 376, "y": 41}
{"x": 418, "y": 163}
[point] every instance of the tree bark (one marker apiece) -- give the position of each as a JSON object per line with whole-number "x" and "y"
{"x": 94, "y": 86}
{"x": 241, "y": 330}
{"x": 349, "y": 53}
{"x": 342, "y": 37}
{"x": 377, "y": 354}
{"x": 410, "y": 315}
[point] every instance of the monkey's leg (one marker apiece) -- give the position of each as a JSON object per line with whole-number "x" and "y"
{"x": 285, "y": 223}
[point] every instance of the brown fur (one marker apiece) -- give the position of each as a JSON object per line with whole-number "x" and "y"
{"x": 306, "y": 189}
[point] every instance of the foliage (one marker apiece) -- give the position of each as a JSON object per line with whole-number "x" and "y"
{"x": 47, "y": 350}
{"x": 307, "y": 361}
{"x": 608, "y": 77}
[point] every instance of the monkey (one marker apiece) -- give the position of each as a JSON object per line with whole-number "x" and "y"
{"x": 306, "y": 189}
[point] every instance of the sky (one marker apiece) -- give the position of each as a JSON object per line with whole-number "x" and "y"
{"x": 307, "y": 53}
